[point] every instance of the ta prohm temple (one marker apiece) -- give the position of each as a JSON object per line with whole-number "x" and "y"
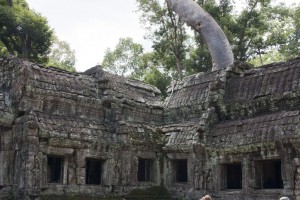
{"x": 232, "y": 133}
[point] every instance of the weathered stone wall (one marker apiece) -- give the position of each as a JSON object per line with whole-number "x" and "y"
{"x": 7, "y": 74}
{"x": 259, "y": 122}
{"x": 244, "y": 116}
{"x": 269, "y": 88}
{"x": 209, "y": 122}
{"x": 75, "y": 116}
{"x": 189, "y": 99}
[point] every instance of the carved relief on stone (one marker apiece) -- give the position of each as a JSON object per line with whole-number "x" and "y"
{"x": 199, "y": 177}
{"x": 36, "y": 174}
{"x": 297, "y": 177}
{"x": 208, "y": 180}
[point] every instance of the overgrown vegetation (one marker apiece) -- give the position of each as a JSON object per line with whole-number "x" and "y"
{"x": 26, "y": 34}
{"x": 260, "y": 33}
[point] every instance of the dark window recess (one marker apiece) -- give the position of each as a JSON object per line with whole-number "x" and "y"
{"x": 55, "y": 169}
{"x": 3, "y": 129}
{"x": 93, "y": 171}
{"x": 107, "y": 104}
{"x": 145, "y": 170}
{"x": 233, "y": 176}
{"x": 268, "y": 174}
{"x": 181, "y": 170}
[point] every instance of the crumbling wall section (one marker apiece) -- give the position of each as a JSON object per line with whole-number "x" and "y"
{"x": 57, "y": 92}
{"x": 8, "y": 71}
{"x": 130, "y": 100}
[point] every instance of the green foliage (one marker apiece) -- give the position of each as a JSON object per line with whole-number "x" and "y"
{"x": 178, "y": 52}
{"x": 128, "y": 59}
{"x": 199, "y": 59}
{"x": 159, "y": 79}
{"x": 23, "y": 32}
{"x": 61, "y": 55}
{"x": 278, "y": 41}
{"x": 259, "y": 34}
{"x": 124, "y": 59}
{"x": 291, "y": 24}
{"x": 167, "y": 32}
{"x": 250, "y": 31}
{"x": 3, "y": 50}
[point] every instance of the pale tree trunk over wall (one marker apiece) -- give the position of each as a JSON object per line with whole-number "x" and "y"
{"x": 195, "y": 16}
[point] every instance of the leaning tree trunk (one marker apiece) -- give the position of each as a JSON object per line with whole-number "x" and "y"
{"x": 195, "y": 16}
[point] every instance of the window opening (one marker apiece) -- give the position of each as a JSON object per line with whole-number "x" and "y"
{"x": 268, "y": 174}
{"x": 3, "y": 129}
{"x": 233, "y": 176}
{"x": 93, "y": 171}
{"x": 55, "y": 169}
{"x": 145, "y": 170}
{"x": 181, "y": 170}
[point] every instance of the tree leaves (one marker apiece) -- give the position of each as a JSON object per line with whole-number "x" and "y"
{"x": 23, "y": 32}
{"x": 260, "y": 34}
{"x": 167, "y": 32}
{"x": 61, "y": 55}
{"x": 124, "y": 59}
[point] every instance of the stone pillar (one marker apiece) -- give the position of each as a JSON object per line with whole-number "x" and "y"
{"x": 288, "y": 167}
{"x": 296, "y": 164}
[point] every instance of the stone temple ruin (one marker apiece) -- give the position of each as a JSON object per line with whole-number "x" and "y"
{"x": 231, "y": 133}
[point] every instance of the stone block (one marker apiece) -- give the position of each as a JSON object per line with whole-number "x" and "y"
{"x": 80, "y": 180}
{"x": 287, "y": 192}
{"x": 6, "y": 141}
{"x": 32, "y": 132}
{"x": 297, "y": 192}
{"x": 59, "y": 151}
{"x": 80, "y": 159}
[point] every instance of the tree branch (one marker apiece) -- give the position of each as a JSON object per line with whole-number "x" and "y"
{"x": 195, "y": 16}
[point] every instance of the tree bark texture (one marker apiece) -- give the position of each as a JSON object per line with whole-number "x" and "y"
{"x": 195, "y": 16}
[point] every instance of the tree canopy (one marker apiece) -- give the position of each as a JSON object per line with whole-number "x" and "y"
{"x": 168, "y": 34}
{"x": 124, "y": 59}
{"x": 260, "y": 33}
{"x": 23, "y": 32}
{"x": 61, "y": 55}
{"x": 26, "y": 34}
